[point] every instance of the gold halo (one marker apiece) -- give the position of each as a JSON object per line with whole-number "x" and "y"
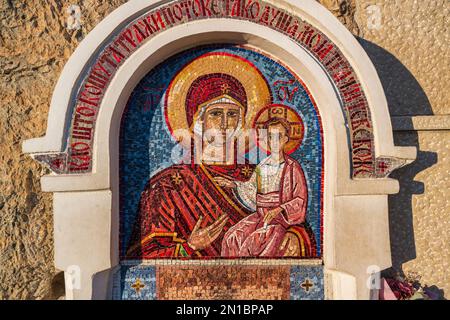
{"x": 256, "y": 87}
{"x": 280, "y": 111}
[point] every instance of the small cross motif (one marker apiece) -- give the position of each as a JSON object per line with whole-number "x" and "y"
{"x": 225, "y": 88}
{"x": 383, "y": 166}
{"x": 247, "y": 171}
{"x": 138, "y": 285}
{"x": 58, "y": 163}
{"x": 176, "y": 178}
{"x": 307, "y": 285}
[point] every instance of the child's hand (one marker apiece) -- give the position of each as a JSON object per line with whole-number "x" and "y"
{"x": 224, "y": 182}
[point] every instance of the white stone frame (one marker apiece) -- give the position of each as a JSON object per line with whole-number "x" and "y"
{"x": 86, "y": 211}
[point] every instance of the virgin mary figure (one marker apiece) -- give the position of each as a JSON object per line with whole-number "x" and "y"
{"x": 183, "y": 212}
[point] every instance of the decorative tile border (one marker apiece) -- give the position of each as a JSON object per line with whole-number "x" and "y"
{"x": 190, "y": 282}
{"x": 78, "y": 155}
{"x": 225, "y": 282}
{"x": 224, "y": 262}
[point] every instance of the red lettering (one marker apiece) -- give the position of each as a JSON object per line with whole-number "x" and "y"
{"x": 95, "y": 81}
{"x": 196, "y": 8}
{"x": 88, "y": 99}
{"x": 117, "y": 55}
{"x": 227, "y": 8}
{"x": 236, "y": 9}
{"x": 206, "y": 11}
{"x": 215, "y": 9}
{"x": 342, "y": 74}
{"x": 128, "y": 35}
{"x": 314, "y": 40}
{"x": 139, "y": 34}
{"x": 158, "y": 21}
{"x": 79, "y": 166}
{"x": 252, "y": 9}
{"x": 80, "y": 146}
{"x": 334, "y": 59}
{"x": 292, "y": 29}
{"x": 265, "y": 16}
{"x": 85, "y": 111}
{"x": 178, "y": 12}
{"x": 82, "y": 133}
{"x": 93, "y": 89}
{"x": 305, "y": 35}
{"x": 360, "y": 119}
{"x": 168, "y": 16}
{"x": 78, "y": 120}
{"x": 187, "y": 10}
{"x": 287, "y": 90}
{"x": 100, "y": 68}
{"x": 352, "y": 93}
{"x": 275, "y": 14}
{"x": 105, "y": 58}
{"x": 322, "y": 52}
{"x": 119, "y": 42}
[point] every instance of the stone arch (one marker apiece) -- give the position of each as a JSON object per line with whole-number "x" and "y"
{"x": 85, "y": 162}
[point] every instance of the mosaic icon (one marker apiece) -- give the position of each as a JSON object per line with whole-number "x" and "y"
{"x": 230, "y": 199}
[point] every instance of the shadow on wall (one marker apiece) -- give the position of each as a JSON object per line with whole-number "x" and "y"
{"x": 404, "y": 94}
{"x": 405, "y": 98}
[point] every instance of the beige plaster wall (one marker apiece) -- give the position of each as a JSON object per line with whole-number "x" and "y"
{"x": 410, "y": 52}
{"x": 412, "y": 42}
{"x": 431, "y": 212}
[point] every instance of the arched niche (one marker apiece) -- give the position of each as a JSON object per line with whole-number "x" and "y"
{"x": 85, "y": 180}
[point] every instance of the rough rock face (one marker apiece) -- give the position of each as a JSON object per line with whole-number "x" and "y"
{"x": 35, "y": 43}
{"x": 344, "y": 10}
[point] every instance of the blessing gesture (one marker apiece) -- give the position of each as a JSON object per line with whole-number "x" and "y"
{"x": 202, "y": 238}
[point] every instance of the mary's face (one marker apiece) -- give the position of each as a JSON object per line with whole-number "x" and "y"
{"x": 221, "y": 119}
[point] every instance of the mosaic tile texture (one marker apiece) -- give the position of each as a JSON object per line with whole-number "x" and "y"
{"x": 146, "y": 147}
{"x": 224, "y": 282}
{"x": 135, "y": 283}
{"x": 307, "y": 283}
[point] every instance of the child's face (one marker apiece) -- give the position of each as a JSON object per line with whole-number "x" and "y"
{"x": 277, "y": 137}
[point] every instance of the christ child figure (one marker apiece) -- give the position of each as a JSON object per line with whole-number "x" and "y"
{"x": 276, "y": 192}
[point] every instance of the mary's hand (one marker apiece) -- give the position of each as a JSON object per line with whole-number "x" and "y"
{"x": 203, "y": 238}
{"x": 224, "y": 182}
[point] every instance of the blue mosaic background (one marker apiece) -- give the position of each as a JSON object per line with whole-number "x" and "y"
{"x": 301, "y": 277}
{"x": 137, "y": 282}
{"x": 146, "y": 143}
